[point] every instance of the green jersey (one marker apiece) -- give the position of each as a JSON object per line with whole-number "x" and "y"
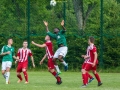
{"x": 60, "y": 37}
{"x": 8, "y": 57}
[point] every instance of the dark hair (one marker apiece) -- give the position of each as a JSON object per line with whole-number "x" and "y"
{"x": 25, "y": 41}
{"x": 9, "y": 38}
{"x": 57, "y": 28}
{"x": 92, "y": 40}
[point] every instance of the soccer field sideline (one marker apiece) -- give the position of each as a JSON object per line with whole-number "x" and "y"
{"x": 40, "y": 80}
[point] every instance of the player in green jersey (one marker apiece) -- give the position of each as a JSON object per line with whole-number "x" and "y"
{"x": 8, "y": 54}
{"x": 59, "y": 36}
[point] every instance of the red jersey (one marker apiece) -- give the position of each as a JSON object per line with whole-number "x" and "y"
{"x": 90, "y": 52}
{"x": 49, "y": 49}
{"x": 24, "y": 54}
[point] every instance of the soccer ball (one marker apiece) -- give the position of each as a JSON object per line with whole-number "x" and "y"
{"x": 53, "y": 3}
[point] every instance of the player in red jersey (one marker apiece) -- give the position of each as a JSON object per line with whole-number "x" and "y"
{"x": 91, "y": 62}
{"x": 49, "y": 54}
{"x": 23, "y": 54}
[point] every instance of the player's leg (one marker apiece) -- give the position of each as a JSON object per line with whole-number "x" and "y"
{"x": 97, "y": 77}
{"x": 84, "y": 77}
{"x": 8, "y": 66}
{"x": 61, "y": 55}
{"x": 55, "y": 64}
{"x": 53, "y": 72}
{"x": 4, "y": 69}
{"x": 90, "y": 77}
{"x": 19, "y": 70}
{"x": 24, "y": 70}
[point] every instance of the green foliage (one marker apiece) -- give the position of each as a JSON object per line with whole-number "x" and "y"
{"x": 13, "y": 23}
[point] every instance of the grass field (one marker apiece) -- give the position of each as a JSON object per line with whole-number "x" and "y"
{"x": 71, "y": 81}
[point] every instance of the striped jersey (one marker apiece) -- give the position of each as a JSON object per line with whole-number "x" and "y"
{"x": 90, "y": 53}
{"x": 49, "y": 49}
{"x": 24, "y": 54}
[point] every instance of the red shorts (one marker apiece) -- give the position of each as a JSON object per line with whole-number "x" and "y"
{"x": 50, "y": 63}
{"x": 22, "y": 65}
{"x": 83, "y": 65}
{"x": 89, "y": 67}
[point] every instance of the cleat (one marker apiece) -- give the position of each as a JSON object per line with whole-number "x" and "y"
{"x": 83, "y": 86}
{"x": 66, "y": 67}
{"x": 59, "y": 82}
{"x": 99, "y": 83}
{"x": 90, "y": 80}
{"x": 26, "y": 82}
{"x": 58, "y": 73}
{"x": 19, "y": 81}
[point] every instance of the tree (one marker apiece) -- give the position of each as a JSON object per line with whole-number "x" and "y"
{"x": 81, "y": 14}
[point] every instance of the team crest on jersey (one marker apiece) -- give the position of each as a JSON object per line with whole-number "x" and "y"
{"x": 58, "y": 37}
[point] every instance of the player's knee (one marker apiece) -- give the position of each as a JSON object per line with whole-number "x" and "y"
{"x": 83, "y": 71}
{"x": 3, "y": 72}
{"x": 24, "y": 70}
{"x": 94, "y": 72}
{"x": 18, "y": 74}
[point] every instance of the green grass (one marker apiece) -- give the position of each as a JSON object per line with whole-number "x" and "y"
{"x": 71, "y": 81}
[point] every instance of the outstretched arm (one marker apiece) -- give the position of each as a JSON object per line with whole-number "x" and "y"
{"x": 62, "y": 24}
{"x": 43, "y": 59}
{"x": 38, "y": 45}
{"x": 46, "y": 24}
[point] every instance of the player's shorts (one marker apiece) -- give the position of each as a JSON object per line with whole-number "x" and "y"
{"x": 22, "y": 65}
{"x": 6, "y": 64}
{"x": 89, "y": 67}
{"x": 61, "y": 51}
{"x": 83, "y": 65}
{"x": 50, "y": 63}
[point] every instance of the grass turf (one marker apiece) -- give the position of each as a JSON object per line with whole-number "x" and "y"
{"x": 71, "y": 81}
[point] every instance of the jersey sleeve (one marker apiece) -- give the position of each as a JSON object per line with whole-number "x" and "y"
{"x": 30, "y": 53}
{"x": 94, "y": 49}
{"x": 62, "y": 31}
{"x": 51, "y": 35}
{"x": 2, "y": 50}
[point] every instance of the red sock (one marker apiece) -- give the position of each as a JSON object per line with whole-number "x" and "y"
{"x": 56, "y": 76}
{"x": 25, "y": 75}
{"x": 97, "y": 77}
{"x": 84, "y": 79}
{"x": 20, "y": 77}
{"x": 89, "y": 76}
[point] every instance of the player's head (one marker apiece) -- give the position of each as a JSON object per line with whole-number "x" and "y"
{"x": 91, "y": 40}
{"x": 56, "y": 30}
{"x": 25, "y": 44}
{"x": 10, "y": 41}
{"x": 47, "y": 38}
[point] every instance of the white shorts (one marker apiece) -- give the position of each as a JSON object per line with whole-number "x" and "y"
{"x": 61, "y": 51}
{"x": 6, "y": 64}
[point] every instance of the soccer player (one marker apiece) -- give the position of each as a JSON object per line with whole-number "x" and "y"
{"x": 59, "y": 36}
{"x": 91, "y": 63}
{"x": 49, "y": 54}
{"x": 23, "y": 54}
{"x": 8, "y": 54}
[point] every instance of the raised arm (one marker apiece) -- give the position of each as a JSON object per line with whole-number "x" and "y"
{"x": 39, "y": 45}
{"x": 43, "y": 59}
{"x": 46, "y": 24}
{"x": 62, "y": 24}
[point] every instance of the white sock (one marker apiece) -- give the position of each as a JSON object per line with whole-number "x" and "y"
{"x": 7, "y": 76}
{"x": 4, "y": 75}
{"x": 57, "y": 68}
{"x": 64, "y": 63}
